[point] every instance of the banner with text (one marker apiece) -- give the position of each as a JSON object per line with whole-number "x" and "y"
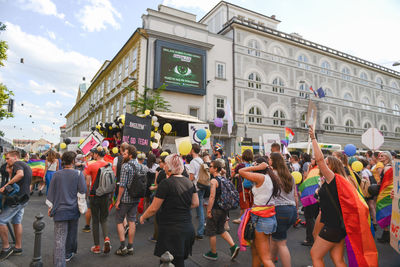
{"x": 137, "y": 132}
{"x": 395, "y": 223}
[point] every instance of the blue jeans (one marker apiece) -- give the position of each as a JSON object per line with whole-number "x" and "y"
{"x": 200, "y": 212}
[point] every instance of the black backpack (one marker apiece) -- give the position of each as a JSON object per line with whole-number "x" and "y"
{"x": 137, "y": 188}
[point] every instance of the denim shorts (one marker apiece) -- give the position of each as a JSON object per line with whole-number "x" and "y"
{"x": 264, "y": 225}
{"x": 13, "y": 215}
{"x": 285, "y": 216}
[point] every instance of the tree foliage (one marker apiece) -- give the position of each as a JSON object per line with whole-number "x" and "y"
{"x": 5, "y": 93}
{"x": 150, "y": 99}
{"x": 3, "y": 46}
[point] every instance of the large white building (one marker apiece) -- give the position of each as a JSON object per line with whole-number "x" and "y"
{"x": 239, "y": 56}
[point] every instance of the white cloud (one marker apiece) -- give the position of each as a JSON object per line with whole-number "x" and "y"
{"x": 51, "y": 34}
{"x": 45, "y": 7}
{"x": 204, "y": 5}
{"x": 97, "y": 14}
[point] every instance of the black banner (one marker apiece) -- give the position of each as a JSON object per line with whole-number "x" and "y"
{"x": 137, "y": 132}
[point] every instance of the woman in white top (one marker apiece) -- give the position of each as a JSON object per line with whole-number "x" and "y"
{"x": 265, "y": 186}
{"x": 52, "y": 165}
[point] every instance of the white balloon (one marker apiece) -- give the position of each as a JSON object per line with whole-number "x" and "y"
{"x": 156, "y": 124}
{"x": 157, "y": 136}
{"x": 154, "y": 145}
{"x": 154, "y": 118}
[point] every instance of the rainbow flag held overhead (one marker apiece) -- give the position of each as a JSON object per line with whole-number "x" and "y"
{"x": 383, "y": 201}
{"x": 308, "y": 187}
{"x": 357, "y": 221}
{"x": 289, "y": 134}
{"x": 37, "y": 167}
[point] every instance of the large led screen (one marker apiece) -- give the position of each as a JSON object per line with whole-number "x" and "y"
{"x": 180, "y": 67}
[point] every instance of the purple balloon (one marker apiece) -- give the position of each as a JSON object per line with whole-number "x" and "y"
{"x": 105, "y": 143}
{"x": 218, "y": 122}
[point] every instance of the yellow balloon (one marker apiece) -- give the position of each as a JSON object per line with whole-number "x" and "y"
{"x": 63, "y": 145}
{"x": 165, "y": 153}
{"x": 81, "y": 141}
{"x": 167, "y": 128}
{"x": 152, "y": 134}
{"x": 297, "y": 177}
{"x": 123, "y": 119}
{"x": 357, "y": 166}
{"x": 147, "y": 112}
{"x": 208, "y": 133}
{"x": 185, "y": 147}
{"x": 156, "y": 129}
{"x": 115, "y": 150}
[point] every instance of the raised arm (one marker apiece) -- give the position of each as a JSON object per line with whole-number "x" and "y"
{"x": 319, "y": 157}
{"x": 250, "y": 175}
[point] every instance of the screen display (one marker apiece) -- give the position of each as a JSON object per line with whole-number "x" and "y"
{"x": 181, "y": 68}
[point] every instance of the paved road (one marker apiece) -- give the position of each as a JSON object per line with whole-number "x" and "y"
{"x": 144, "y": 249}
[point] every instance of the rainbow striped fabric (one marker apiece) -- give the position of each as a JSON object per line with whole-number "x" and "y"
{"x": 37, "y": 167}
{"x": 357, "y": 222}
{"x": 384, "y": 202}
{"x": 308, "y": 187}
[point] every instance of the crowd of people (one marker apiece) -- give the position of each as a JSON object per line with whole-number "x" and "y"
{"x": 338, "y": 203}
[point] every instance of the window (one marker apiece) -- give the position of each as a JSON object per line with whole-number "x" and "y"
{"x": 279, "y": 116}
{"x": 303, "y": 87}
{"x": 367, "y": 125}
{"x": 326, "y": 67}
{"x": 102, "y": 90}
{"x": 303, "y": 118}
{"x": 302, "y": 61}
{"x": 277, "y": 83}
{"x": 117, "y": 108}
{"x": 397, "y": 132}
{"x": 126, "y": 71}
{"x": 364, "y": 78}
{"x": 134, "y": 59}
{"x": 97, "y": 117}
{"x": 112, "y": 112}
{"x": 254, "y": 48}
{"x": 277, "y": 54}
{"x": 365, "y": 101}
{"x": 379, "y": 83}
{"x": 346, "y": 73}
{"x": 396, "y": 108}
{"x": 255, "y": 115}
{"x": 254, "y": 80}
{"x": 106, "y": 119}
{"x": 329, "y": 124}
{"x": 349, "y": 98}
{"x": 394, "y": 85}
{"x": 328, "y": 95}
{"x": 109, "y": 84}
{"x": 194, "y": 112}
{"x": 220, "y": 103}
{"x": 220, "y": 70}
{"x": 114, "y": 78}
{"x": 381, "y": 106}
{"x": 349, "y": 126}
{"x": 119, "y": 73}
{"x": 383, "y": 130}
{"x": 124, "y": 104}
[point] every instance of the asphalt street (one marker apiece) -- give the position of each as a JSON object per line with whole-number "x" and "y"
{"x": 143, "y": 249}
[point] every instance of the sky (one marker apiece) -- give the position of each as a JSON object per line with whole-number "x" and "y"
{"x": 62, "y": 41}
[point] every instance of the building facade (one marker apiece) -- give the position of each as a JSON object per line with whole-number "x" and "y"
{"x": 273, "y": 72}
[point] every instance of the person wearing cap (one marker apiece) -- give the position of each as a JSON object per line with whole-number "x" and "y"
{"x": 98, "y": 205}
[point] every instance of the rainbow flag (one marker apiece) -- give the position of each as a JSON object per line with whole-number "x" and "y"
{"x": 289, "y": 134}
{"x": 37, "y": 167}
{"x": 356, "y": 219}
{"x": 384, "y": 202}
{"x": 308, "y": 187}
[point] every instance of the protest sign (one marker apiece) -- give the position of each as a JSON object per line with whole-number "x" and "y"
{"x": 372, "y": 138}
{"x": 193, "y": 128}
{"x": 137, "y": 132}
{"x": 269, "y": 139}
{"x": 91, "y": 141}
{"x": 395, "y": 222}
{"x": 247, "y": 143}
{"x": 311, "y": 118}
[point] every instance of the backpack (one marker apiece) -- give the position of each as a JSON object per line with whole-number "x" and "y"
{"x": 204, "y": 175}
{"x": 137, "y": 188}
{"x": 229, "y": 198}
{"x": 105, "y": 181}
{"x": 364, "y": 185}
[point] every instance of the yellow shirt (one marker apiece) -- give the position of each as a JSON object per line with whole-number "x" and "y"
{"x": 375, "y": 172}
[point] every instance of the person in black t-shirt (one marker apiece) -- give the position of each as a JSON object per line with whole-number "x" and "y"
{"x": 174, "y": 199}
{"x": 22, "y": 176}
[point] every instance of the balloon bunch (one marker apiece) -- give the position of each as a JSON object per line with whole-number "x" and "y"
{"x": 65, "y": 143}
{"x": 218, "y": 121}
{"x": 109, "y": 129}
{"x": 202, "y": 135}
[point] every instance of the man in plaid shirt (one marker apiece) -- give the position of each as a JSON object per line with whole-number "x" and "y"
{"x": 126, "y": 206}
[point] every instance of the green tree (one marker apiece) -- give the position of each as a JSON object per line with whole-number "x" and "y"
{"x": 150, "y": 99}
{"x": 5, "y": 93}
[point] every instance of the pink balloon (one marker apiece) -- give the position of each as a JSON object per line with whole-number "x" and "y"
{"x": 218, "y": 122}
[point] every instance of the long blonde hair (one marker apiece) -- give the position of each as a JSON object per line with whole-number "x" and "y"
{"x": 51, "y": 156}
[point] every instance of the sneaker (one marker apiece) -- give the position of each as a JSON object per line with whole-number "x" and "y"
{"x": 107, "y": 246}
{"x": 95, "y": 249}
{"x": 69, "y": 257}
{"x": 237, "y": 221}
{"x": 211, "y": 256}
{"x": 199, "y": 237}
{"x": 152, "y": 239}
{"x": 6, "y": 253}
{"x": 234, "y": 251}
{"x": 86, "y": 229}
{"x": 121, "y": 251}
{"x": 307, "y": 243}
{"x": 130, "y": 251}
{"x": 17, "y": 251}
